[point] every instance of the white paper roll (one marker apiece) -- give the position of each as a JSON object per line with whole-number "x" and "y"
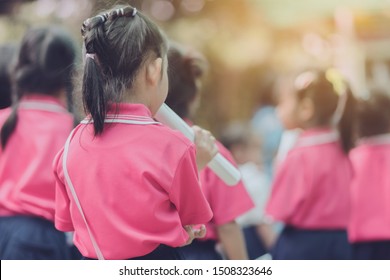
{"x": 220, "y": 165}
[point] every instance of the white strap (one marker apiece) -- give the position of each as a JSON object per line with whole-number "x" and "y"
{"x": 42, "y": 106}
{"x": 75, "y": 198}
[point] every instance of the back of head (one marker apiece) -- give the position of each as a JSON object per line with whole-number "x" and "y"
{"x": 242, "y": 141}
{"x": 267, "y": 89}
{"x": 44, "y": 65}
{"x": 7, "y": 55}
{"x": 185, "y": 70}
{"x": 236, "y": 133}
{"x": 117, "y": 43}
{"x": 373, "y": 114}
{"x": 45, "y": 61}
{"x": 334, "y": 103}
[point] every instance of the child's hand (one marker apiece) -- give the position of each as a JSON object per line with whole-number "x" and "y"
{"x": 194, "y": 233}
{"x": 206, "y": 148}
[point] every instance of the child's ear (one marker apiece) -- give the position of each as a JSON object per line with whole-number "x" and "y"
{"x": 306, "y": 110}
{"x": 153, "y": 71}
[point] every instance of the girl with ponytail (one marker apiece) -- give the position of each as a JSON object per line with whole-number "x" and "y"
{"x": 127, "y": 185}
{"x": 310, "y": 193}
{"x": 32, "y": 131}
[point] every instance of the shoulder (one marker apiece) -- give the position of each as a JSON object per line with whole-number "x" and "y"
{"x": 358, "y": 150}
{"x": 367, "y": 153}
{"x": 168, "y": 136}
{"x": 298, "y": 153}
{"x": 294, "y": 161}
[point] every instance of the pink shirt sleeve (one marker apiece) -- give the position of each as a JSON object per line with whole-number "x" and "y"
{"x": 186, "y": 192}
{"x": 289, "y": 188}
{"x": 62, "y": 217}
{"x": 227, "y": 202}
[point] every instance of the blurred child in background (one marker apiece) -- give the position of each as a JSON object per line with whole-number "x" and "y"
{"x": 369, "y": 227}
{"x": 32, "y": 132}
{"x": 186, "y": 68}
{"x": 310, "y": 193}
{"x": 266, "y": 123}
{"x": 7, "y": 55}
{"x": 240, "y": 139}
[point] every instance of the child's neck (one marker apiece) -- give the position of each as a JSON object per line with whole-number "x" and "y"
{"x": 136, "y": 98}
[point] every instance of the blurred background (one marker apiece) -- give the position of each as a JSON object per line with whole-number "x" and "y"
{"x": 248, "y": 43}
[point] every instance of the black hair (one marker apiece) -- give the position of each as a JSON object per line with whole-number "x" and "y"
{"x": 119, "y": 41}
{"x": 7, "y": 54}
{"x": 185, "y": 69}
{"x": 323, "y": 94}
{"x": 44, "y": 65}
{"x": 373, "y": 114}
{"x": 266, "y": 90}
{"x": 236, "y": 133}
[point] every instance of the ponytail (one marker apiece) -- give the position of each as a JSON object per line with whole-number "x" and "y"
{"x": 9, "y": 126}
{"x": 44, "y": 65}
{"x": 93, "y": 94}
{"x": 345, "y": 125}
{"x": 117, "y": 43}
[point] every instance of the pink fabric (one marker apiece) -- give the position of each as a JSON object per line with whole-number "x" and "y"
{"x": 27, "y": 184}
{"x": 311, "y": 187}
{"x": 138, "y": 186}
{"x": 370, "y": 193}
{"x": 226, "y": 202}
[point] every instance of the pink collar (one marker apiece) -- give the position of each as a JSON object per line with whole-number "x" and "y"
{"x": 314, "y": 137}
{"x": 42, "y": 102}
{"x": 127, "y": 113}
{"x": 381, "y": 139}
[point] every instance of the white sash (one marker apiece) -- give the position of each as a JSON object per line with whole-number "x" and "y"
{"x": 125, "y": 119}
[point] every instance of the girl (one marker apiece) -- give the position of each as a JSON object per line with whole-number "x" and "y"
{"x": 369, "y": 227}
{"x": 32, "y": 132}
{"x": 226, "y": 202}
{"x": 310, "y": 190}
{"x": 127, "y": 185}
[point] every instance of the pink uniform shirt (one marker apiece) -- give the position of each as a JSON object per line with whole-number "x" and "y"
{"x": 311, "y": 187}
{"x": 370, "y": 191}
{"x": 137, "y": 184}
{"x": 27, "y": 184}
{"x": 226, "y": 202}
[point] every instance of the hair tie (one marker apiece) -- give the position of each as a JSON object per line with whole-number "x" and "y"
{"x": 337, "y": 80}
{"x": 103, "y": 18}
{"x": 90, "y": 55}
{"x": 134, "y": 12}
{"x": 340, "y": 87}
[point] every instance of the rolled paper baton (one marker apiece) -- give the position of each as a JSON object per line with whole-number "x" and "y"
{"x": 219, "y": 165}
